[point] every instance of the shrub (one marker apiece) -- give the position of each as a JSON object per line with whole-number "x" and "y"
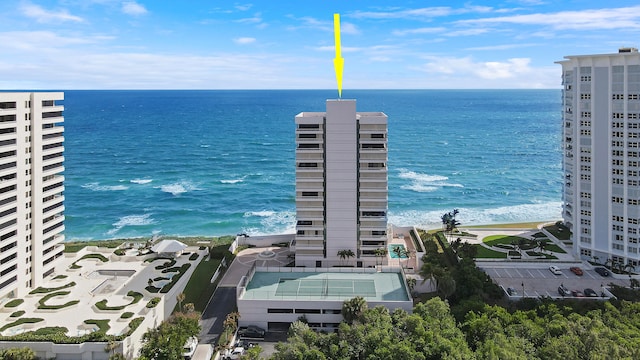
{"x": 88, "y": 256}
{"x": 120, "y": 252}
{"x": 167, "y": 264}
{"x": 42, "y": 303}
{"x": 175, "y": 278}
{"x": 193, "y": 256}
{"x": 58, "y": 277}
{"x": 13, "y": 303}
{"x": 20, "y": 322}
{"x": 51, "y": 330}
{"x": 17, "y": 313}
{"x": 103, "y": 325}
{"x": 102, "y": 304}
{"x": 41, "y": 290}
{"x": 126, "y": 315}
{"x": 153, "y": 302}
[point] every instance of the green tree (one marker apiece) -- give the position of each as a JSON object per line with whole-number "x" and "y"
{"x": 23, "y": 353}
{"x": 166, "y": 342}
{"x": 353, "y": 309}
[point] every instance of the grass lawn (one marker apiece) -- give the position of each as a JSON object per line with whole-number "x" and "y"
{"x": 484, "y": 253}
{"x": 199, "y": 288}
{"x": 75, "y": 246}
{"x": 523, "y": 225}
{"x": 494, "y": 240}
{"x": 560, "y": 232}
{"x": 554, "y": 248}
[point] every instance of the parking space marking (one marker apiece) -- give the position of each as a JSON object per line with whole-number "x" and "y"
{"x": 520, "y": 275}
{"x": 530, "y": 274}
{"x": 591, "y": 276}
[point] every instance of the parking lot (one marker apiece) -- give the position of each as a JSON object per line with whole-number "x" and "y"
{"x": 536, "y": 280}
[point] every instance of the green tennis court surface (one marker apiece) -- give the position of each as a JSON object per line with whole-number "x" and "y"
{"x": 374, "y": 286}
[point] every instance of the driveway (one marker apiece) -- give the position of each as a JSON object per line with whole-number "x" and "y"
{"x": 221, "y": 303}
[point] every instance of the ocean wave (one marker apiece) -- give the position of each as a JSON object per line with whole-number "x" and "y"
{"x": 424, "y": 182}
{"x": 412, "y": 175}
{"x": 232, "y": 181}
{"x": 264, "y": 213}
{"x": 141, "y": 181}
{"x": 97, "y": 187}
{"x": 178, "y": 188}
{"x": 538, "y": 211}
{"x": 131, "y": 220}
{"x": 273, "y": 223}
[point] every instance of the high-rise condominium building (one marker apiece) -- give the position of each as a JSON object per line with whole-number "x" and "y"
{"x": 31, "y": 189}
{"x": 341, "y": 186}
{"x": 601, "y": 143}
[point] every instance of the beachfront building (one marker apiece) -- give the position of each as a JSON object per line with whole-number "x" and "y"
{"x": 341, "y": 186}
{"x": 31, "y": 189}
{"x": 601, "y": 144}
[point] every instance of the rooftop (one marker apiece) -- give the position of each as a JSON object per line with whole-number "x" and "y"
{"x": 326, "y": 284}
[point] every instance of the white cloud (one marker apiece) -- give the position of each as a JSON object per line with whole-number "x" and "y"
{"x": 423, "y": 30}
{"x": 612, "y": 18}
{"x": 244, "y": 40}
{"x": 499, "y": 47}
{"x": 424, "y": 13}
{"x": 308, "y": 22}
{"x": 133, "y": 8}
{"x": 486, "y": 70}
{"x": 244, "y": 7}
{"x": 44, "y": 40}
{"x": 48, "y": 16}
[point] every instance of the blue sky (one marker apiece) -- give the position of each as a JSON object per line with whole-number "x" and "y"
{"x": 198, "y": 44}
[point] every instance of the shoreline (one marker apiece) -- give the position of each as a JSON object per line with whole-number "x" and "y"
{"x": 229, "y": 238}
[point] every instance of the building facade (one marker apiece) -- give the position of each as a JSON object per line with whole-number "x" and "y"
{"x": 601, "y": 144}
{"x": 31, "y": 189}
{"x": 341, "y": 186}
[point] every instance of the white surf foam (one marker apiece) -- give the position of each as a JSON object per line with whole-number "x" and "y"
{"x": 424, "y": 182}
{"x": 178, "y": 188}
{"x": 131, "y": 220}
{"x": 539, "y": 211}
{"x": 231, "y": 181}
{"x": 97, "y": 187}
{"x": 264, "y": 213}
{"x": 273, "y": 223}
{"x": 141, "y": 181}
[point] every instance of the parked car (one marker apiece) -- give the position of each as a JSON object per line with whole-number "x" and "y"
{"x": 576, "y": 270}
{"x": 251, "y": 331}
{"x": 602, "y": 271}
{"x": 190, "y": 347}
{"x": 555, "y": 270}
{"x": 577, "y": 293}
{"x": 234, "y": 353}
{"x": 563, "y": 291}
{"x": 511, "y": 291}
{"x": 590, "y": 293}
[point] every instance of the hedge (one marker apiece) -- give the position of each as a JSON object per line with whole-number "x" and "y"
{"x": 42, "y": 290}
{"x": 102, "y": 304}
{"x": 153, "y": 302}
{"x": 14, "y": 303}
{"x": 88, "y": 256}
{"x": 43, "y": 306}
{"x": 20, "y": 322}
{"x": 61, "y": 338}
{"x": 17, "y": 313}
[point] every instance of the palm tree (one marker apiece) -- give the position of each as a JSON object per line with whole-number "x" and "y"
{"x": 350, "y": 254}
{"x": 353, "y": 309}
{"x": 380, "y": 253}
{"x": 446, "y": 285}
{"x": 427, "y": 272}
{"x": 180, "y": 297}
{"x": 342, "y": 254}
{"x": 595, "y": 259}
{"x": 608, "y": 263}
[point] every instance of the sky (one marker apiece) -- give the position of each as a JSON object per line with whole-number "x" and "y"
{"x": 274, "y": 44}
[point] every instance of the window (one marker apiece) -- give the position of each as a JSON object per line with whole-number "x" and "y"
{"x": 309, "y": 193}
{"x": 308, "y": 126}
{"x": 308, "y": 146}
{"x": 304, "y": 222}
{"x": 308, "y": 165}
{"x": 377, "y": 136}
{"x": 306, "y": 136}
{"x": 585, "y": 96}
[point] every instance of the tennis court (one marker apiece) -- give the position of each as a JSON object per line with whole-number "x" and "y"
{"x": 325, "y": 287}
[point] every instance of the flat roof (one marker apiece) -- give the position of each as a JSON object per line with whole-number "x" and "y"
{"x": 373, "y": 286}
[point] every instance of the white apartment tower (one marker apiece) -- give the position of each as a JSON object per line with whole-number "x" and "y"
{"x": 31, "y": 189}
{"x": 341, "y": 186}
{"x": 601, "y": 143}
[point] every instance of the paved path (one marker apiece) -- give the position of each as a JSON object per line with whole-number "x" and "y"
{"x": 221, "y": 303}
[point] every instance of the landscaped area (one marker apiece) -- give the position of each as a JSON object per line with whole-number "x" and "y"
{"x": 532, "y": 246}
{"x": 96, "y": 295}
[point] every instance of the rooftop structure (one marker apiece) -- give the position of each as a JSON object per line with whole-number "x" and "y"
{"x": 341, "y": 185}
{"x": 273, "y": 298}
{"x": 601, "y": 142}
{"x": 31, "y": 189}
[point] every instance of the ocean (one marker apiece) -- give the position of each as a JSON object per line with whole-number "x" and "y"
{"x": 187, "y": 163}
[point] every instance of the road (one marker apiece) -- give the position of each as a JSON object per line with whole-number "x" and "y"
{"x": 221, "y": 303}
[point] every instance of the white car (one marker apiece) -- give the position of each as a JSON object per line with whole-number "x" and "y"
{"x": 190, "y": 347}
{"x": 555, "y": 270}
{"x": 234, "y": 353}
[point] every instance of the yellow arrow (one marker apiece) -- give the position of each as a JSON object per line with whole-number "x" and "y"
{"x": 338, "y": 62}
